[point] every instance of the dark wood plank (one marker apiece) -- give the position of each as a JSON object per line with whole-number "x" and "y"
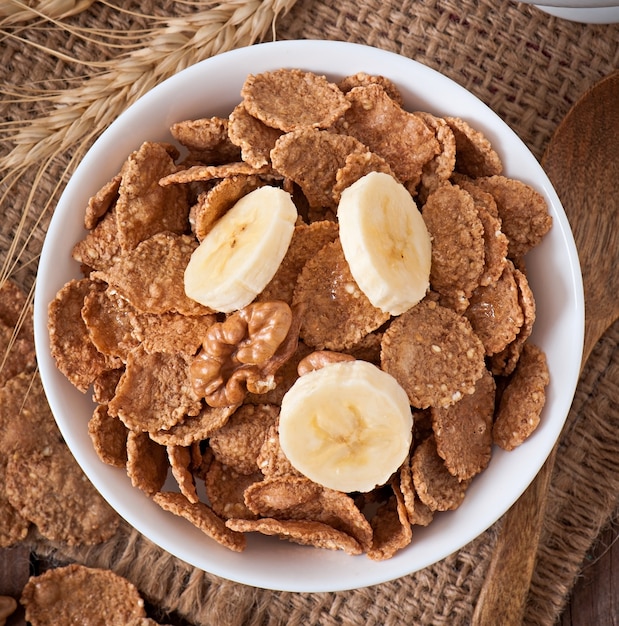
{"x": 14, "y": 573}
{"x": 595, "y": 597}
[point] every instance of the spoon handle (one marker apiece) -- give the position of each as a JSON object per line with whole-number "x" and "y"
{"x": 503, "y": 597}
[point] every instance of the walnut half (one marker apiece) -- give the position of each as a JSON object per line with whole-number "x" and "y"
{"x": 321, "y": 358}
{"x": 242, "y": 353}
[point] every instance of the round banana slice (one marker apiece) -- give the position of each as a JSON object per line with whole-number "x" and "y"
{"x": 240, "y": 255}
{"x": 346, "y": 426}
{"x": 385, "y": 241}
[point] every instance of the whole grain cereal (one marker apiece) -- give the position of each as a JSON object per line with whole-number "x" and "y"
{"x": 147, "y": 462}
{"x": 13, "y": 526}
{"x": 252, "y": 136}
{"x": 145, "y": 208}
{"x": 225, "y": 489}
{"x": 48, "y": 488}
{"x": 104, "y": 386}
{"x": 475, "y": 155}
{"x": 180, "y": 460}
{"x": 102, "y": 202}
{"x": 171, "y": 332}
{"x": 504, "y": 362}
{"x": 290, "y": 98}
{"x": 215, "y": 202}
{"x": 361, "y": 79}
{"x": 523, "y": 212}
{"x": 440, "y": 168}
{"x": 17, "y": 352}
{"x": 522, "y": 400}
{"x": 434, "y": 354}
{"x": 418, "y": 513}
{"x": 305, "y": 532}
{"x": 194, "y": 396}
{"x": 495, "y": 312}
{"x": 194, "y": 428}
{"x": 356, "y": 165}
{"x": 400, "y": 137}
{"x": 213, "y": 173}
{"x": 457, "y": 236}
{"x": 163, "y": 257}
{"x": 463, "y": 431}
{"x": 312, "y": 158}
{"x": 391, "y": 528}
{"x": 307, "y": 240}
{"x": 78, "y": 594}
{"x": 271, "y": 460}
{"x": 154, "y": 393}
{"x": 239, "y": 441}
{"x": 202, "y": 517}
{"x": 297, "y": 497}
{"x": 206, "y": 139}
{"x": 109, "y": 437}
{"x": 436, "y": 487}
{"x": 110, "y": 321}
{"x": 71, "y": 347}
{"x": 338, "y": 314}
{"x": 100, "y": 249}
{"x": 26, "y": 421}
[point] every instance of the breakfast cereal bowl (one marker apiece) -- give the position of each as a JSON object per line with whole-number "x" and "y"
{"x": 212, "y": 88}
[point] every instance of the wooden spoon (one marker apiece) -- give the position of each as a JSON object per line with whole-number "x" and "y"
{"x": 582, "y": 162}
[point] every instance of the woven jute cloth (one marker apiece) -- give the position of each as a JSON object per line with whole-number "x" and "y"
{"x": 527, "y": 66}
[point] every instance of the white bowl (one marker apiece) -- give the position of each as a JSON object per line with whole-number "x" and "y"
{"x": 594, "y": 15}
{"x": 584, "y": 11}
{"x": 573, "y": 4}
{"x": 212, "y": 88}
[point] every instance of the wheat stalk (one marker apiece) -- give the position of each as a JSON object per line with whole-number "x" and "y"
{"x": 172, "y": 46}
{"x": 77, "y": 114}
{"x": 14, "y": 11}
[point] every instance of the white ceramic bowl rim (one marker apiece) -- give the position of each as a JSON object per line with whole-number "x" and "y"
{"x": 211, "y": 88}
{"x": 573, "y": 4}
{"x": 590, "y": 15}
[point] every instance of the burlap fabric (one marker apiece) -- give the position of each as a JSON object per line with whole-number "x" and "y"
{"x": 527, "y": 66}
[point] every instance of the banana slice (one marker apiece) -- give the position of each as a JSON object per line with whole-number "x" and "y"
{"x": 240, "y": 255}
{"x": 346, "y": 426}
{"x": 385, "y": 241}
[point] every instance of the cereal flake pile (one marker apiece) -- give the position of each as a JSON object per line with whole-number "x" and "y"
{"x": 183, "y": 389}
{"x": 41, "y": 485}
{"x": 43, "y": 491}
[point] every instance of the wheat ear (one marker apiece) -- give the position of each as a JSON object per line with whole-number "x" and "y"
{"x": 173, "y": 46}
{"x": 15, "y": 11}
{"x": 77, "y": 114}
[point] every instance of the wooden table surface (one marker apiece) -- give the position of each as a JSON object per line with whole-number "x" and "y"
{"x": 594, "y": 601}
{"x": 595, "y": 597}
